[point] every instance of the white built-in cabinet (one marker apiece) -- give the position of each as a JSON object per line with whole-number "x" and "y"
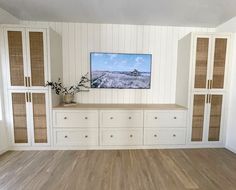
{"x": 203, "y": 63}
{"x": 29, "y": 56}
{"x": 119, "y": 128}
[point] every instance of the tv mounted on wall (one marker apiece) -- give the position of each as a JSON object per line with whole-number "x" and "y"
{"x": 120, "y": 70}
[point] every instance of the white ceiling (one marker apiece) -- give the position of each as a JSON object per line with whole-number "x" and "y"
{"x": 204, "y": 13}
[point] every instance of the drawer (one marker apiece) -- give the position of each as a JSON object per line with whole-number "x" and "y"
{"x": 121, "y": 137}
{"x": 165, "y": 119}
{"x": 164, "y": 136}
{"x": 76, "y": 119}
{"x": 122, "y": 119}
{"x": 79, "y": 137}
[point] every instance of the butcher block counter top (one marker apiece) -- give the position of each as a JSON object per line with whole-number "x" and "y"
{"x": 120, "y": 106}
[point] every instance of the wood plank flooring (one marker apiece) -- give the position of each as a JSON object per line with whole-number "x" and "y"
{"x": 204, "y": 169}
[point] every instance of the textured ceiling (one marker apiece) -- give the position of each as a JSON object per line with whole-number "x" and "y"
{"x": 204, "y": 13}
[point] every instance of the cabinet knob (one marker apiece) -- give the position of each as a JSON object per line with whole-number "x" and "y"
{"x": 86, "y": 136}
{"x": 65, "y": 117}
{"x": 111, "y": 136}
{"x": 130, "y": 117}
{"x": 155, "y": 135}
{"x": 175, "y": 117}
{"x": 66, "y": 136}
{"x": 131, "y": 136}
{"x": 155, "y": 117}
{"x": 174, "y": 135}
{"x": 111, "y": 117}
{"x": 86, "y": 118}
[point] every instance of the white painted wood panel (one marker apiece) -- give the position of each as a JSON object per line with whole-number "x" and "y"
{"x": 164, "y": 136}
{"x": 72, "y": 137}
{"x": 79, "y": 39}
{"x": 122, "y": 137}
{"x": 78, "y": 119}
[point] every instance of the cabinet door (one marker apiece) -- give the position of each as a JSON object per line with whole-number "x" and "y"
{"x": 198, "y": 117}
{"x": 39, "y": 117}
{"x": 37, "y": 58}
{"x": 19, "y": 115}
{"x": 215, "y": 117}
{"x": 201, "y": 62}
{"x": 219, "y": 63}
{"x": 15, "y": 51}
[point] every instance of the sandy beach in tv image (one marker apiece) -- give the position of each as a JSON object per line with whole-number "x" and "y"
{"x": 119, "y": 70}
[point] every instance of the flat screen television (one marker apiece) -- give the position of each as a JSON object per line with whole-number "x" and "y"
{"x": 120, "y": 70}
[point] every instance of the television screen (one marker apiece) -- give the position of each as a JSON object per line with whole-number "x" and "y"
{"x": 120, "y": 70}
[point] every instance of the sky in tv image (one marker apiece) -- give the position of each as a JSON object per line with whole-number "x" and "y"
{"x": 120, "y": 62}
{"x": 123, "y": 71}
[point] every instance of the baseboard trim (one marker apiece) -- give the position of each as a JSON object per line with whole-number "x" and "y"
{"x": 189, "y": 146}
{"x": 3, "y": 151}
{"x": 231, "y": 149}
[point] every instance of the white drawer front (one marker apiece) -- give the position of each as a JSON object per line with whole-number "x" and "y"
{"x": 121, "y": 118}
{"x": 164, "y": 136}
{"x": 80, "y": 137}
{"x": 121, "y": 137}
{"x": 165, "y": 119}
{"x": 76, "y": 119}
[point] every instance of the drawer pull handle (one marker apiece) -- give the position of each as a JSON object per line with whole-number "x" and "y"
{"x": 131, "y": 136}
{"x": 155, "y": 135}
{"x": 111, "y": 117}
{"x": 111, "y": 136}
{"x": 174, "y": 135}
{"x": 175, "y": 117}
{"x": 130, "y": 117}
{"x": 86, "y": 136}
{"x": 65, "y": 117}
{"x": 86, "y": 118}
{"x": 155, "y": 117}
{"x": 66, "y": 136}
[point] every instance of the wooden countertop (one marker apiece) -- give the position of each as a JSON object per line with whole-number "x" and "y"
{"x": 121, "y": 106}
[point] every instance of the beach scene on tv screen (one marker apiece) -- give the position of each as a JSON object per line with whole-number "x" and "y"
{"x": 123, "y": 71}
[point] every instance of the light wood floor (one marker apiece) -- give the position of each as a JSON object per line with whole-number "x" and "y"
{"x": 204, "y": 169}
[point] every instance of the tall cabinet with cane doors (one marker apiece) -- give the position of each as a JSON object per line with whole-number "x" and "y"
{"x": 203, "y": 64}
{"x": 30, "y": 54}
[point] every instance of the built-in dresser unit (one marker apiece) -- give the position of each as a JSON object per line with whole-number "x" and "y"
{"x": 119, "y": 125}
{"x": 202, "y": 83}
{"x": 31, "y": 57}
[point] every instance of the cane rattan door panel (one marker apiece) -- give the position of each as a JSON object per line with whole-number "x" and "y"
{"x": 39, "y": 117}
{"x": 219, "y": 63}
{"x": 16, "y": 63}
{"x": 37, "y": 58}
{"x": 215, "y": 117}
{"x": 201, "y": 63}
{"x": 198, "y": 117}
{"x": 19, "y": 117}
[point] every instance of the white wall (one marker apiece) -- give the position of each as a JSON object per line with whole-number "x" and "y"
{"x": 3, "y": 140}
{"x": 3, "y": 132}
{"x": 7, "y": 18}
{"x": 230, "y": 26}
{"x": 81, "y": 39}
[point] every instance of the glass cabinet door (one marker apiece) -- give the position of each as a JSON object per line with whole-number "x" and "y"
{"x": 198, "y": 117}
{"x": 16, "y": 61}
{"x": 36, "y": 44}
{"x": 19, "y": 117}
{"x": 219, "y": 63}
{"x": 201, "y": 67}
{"x": 39, "y": 117}
{"x": 215, "y": 117}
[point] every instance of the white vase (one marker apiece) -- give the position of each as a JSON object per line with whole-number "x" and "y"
{"x": 68, "y": 98}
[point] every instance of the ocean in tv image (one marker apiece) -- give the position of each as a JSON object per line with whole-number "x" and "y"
{"x": 123, "y": 71}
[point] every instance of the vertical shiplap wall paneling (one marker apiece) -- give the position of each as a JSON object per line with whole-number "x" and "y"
{"x": 79, "y": 39}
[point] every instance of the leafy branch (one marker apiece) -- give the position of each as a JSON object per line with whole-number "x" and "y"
{"x": 61, "y": 89}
